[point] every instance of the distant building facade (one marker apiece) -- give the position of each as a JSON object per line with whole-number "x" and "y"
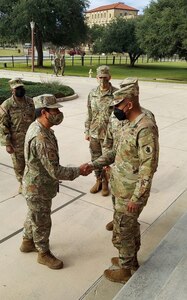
{"x": 103, "y": 15}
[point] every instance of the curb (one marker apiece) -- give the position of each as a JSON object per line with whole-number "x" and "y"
{"x": 68, "y": 98}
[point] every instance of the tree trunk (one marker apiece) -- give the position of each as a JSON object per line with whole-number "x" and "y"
{"x": 133, "y": 58}
{"x": 39, "y": 47}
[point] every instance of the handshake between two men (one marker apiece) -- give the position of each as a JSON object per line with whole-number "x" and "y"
{"x": 86, "y": 169}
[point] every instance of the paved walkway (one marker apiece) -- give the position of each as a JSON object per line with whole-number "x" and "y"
{"x": 78, "y": 234}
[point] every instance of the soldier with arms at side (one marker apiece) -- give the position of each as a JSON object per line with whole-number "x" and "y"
{"x": 135, "y": 162}
{"x": 16, "y": 114}
{"x": 99, "y": 111}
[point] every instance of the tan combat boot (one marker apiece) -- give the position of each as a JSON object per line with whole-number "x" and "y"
{"x": 105, "y": 189}
{"x": 115, "y": 262}
{"x": 119, "y": 275}
{"x": 97, "y": 186}
{"x": 109, "y": 226}
{"x": 48, "y": 259}
{"x": 27, "y": 246}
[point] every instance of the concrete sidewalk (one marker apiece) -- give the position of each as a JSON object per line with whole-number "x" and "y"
{"x": 78, "y": 233}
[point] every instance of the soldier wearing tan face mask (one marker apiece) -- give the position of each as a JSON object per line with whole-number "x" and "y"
{"x": 99, "y": 111}
{"x": 41, "y": 178}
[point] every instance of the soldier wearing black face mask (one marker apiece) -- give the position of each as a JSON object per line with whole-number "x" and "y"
{"x": 20, "y": 92}
{"x": 16, "y": 114}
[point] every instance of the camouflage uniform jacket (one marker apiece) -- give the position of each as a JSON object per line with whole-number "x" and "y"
{"x": 42, "y": 171}
{"x": 135, "y": 160}
{"x": 15, "y": 118}
{"x": 114, "y": 130}
{"x": 99, "y": 111}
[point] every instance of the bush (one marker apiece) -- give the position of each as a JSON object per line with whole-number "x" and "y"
{"x": 35, "y": 88}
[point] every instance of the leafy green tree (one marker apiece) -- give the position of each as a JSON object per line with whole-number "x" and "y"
{"x": 120, "y": 36}
{"x": 162, "y": 30}
{"x": 94, "y": 34}
{"x": 60, "y": 22}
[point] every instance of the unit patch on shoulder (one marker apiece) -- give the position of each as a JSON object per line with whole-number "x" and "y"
{"x": 148, "y": 149}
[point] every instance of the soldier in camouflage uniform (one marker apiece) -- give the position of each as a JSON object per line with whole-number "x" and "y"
{"x": 114, "y": 130}
{"x": 62, "y": 64}
{"x": 135, "y": 162}
{"x": 41, "y": 179}
{"x": 57, "y": 66}
{"x": 99, "y": 111}
{"x": 16, "y": 114}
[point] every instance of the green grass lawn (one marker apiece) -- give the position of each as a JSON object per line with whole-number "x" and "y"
{"x": 34, "y": 89}
{"x": 10, "y": 52}
{"x": 167, "y": 71}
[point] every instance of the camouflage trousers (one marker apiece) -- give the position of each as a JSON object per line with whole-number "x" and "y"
{"x": 126, "y": 236}
{"x": 18, "y": 163}
{"x": 37, "y": 225}
{"x": 96, "y": 152}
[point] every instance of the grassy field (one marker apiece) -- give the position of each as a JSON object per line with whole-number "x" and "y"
{"x": 167, "y": 71}
{"x": 10, "y": 52}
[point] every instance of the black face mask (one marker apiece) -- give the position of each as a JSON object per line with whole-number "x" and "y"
{"x": 120, "y": 114}
{"x": 20, "y": 92}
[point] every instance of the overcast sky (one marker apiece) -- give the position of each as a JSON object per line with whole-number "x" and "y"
{"x": 139, "y": 4}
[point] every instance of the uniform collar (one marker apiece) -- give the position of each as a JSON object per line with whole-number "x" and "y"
{"x": 108, "y": 92}
{"x": 137, "y": 120}
{"x": 43, "y": 127}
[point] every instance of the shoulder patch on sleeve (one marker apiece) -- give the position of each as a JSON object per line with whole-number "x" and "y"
{"x": 148, "y": 149}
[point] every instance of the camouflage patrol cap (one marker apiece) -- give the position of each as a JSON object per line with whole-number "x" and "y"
{"x": 15, "y": 83}
{"x": 129, "y": 88}
{"x": 129, "y": 80}
{"x": 103, "y": 71}
{"x": 126, "y": 92}
{"x": 46, "y": 100}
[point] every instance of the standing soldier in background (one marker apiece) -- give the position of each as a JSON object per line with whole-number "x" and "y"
{"x": 57, "y": 64}
{"x": 99, "y": 111}
{"x": 16, "y": 114}
{"x": 135, "y": 162}
{"x": 41, "y": 178}
{"x": 62, "y": 64}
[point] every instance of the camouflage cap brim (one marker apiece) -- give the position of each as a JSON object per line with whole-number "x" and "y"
{"x": 57, "y": 105}
{"x": 127, "y": 92}
{"x": 116, "y": 102}
{"x": 46, "y": 100}
{"x": 15, "y": 83}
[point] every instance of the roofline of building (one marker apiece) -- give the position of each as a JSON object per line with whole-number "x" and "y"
{"x": 109, "y": 7}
